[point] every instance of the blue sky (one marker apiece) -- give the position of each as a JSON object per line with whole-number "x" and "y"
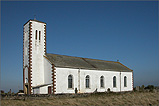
{"x": 107, "y": 30}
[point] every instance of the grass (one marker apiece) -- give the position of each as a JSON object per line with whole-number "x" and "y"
{"x": 129, "y": 98}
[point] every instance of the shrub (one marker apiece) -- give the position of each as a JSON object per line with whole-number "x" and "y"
{"x": 150, "y": 87}
{"x": 108, "y": 89}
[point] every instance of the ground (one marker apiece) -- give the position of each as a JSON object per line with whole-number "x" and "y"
{"x": 128, "y": 98}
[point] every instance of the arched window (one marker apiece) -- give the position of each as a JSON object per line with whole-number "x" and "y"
{"x": 101, "y": 81}
{"x": 125, "y": 81}
{"x": 36, "y": 34}
{"x": 114, "y": 81}
{"x": 87, "y": 82}
{"x": 70, "y": 81}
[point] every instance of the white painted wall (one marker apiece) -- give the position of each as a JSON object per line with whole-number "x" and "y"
{"x": 129, "y": 81}
{"x": 37, "y": 54}
{"x": 47, "y": 78}
{"x": 62, "y": 80}
{"x": 26, "y": 50}
{"x": 47, "y": 71}
{"x": 63, "y": 73}
{"x": 44, "y": 90}
{"x": 41, "y": 90}
{"x": 36, "y": 91}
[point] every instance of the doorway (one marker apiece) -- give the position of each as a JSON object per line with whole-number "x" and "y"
{"x": 49, "y": 89}
{"x": 26, "y": 89}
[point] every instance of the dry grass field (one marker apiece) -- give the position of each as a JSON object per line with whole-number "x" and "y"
{"x": 128, "y": 98}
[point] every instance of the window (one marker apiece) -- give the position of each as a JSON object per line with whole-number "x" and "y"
{"x": 39, "y": 35}
{"x": 101, "y": 81}
{"x": 70, "y": 80}
{"x": 125, "y": 81}
{"x": 87, "y": 81}
{"x": 36, "y": 32}
{"x": 114, "y": 81}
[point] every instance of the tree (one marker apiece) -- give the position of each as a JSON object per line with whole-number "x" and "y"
{"x": 150, "y": 87}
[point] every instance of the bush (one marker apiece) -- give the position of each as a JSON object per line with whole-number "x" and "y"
{"x": 108, "y": 89}
{"x": 150, "y": 87}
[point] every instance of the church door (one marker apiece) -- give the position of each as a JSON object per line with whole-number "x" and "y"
{"x": 49, "y": 89}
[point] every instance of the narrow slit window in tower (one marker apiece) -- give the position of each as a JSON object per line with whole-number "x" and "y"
{"x": 36, "y": 32}
{"x": 39, "y": 35}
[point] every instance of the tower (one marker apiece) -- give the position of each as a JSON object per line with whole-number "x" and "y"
{"x": 34, "y": 49}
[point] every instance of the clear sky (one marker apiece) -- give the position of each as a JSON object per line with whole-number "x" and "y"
{"x": 108, "y": 30}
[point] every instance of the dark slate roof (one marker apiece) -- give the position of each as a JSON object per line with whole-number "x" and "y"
{"x": 85, "y": 63}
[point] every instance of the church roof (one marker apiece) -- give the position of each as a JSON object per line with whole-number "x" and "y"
{"x": 85, "y": 63}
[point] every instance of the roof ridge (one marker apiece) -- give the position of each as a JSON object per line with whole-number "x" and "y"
{"x": 83, "y": 57}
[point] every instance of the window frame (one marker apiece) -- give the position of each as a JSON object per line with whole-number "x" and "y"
{"x": 39, "y": 35}
{"x": 87, "y": 80}
{"x": 125, "y": 81}
{"x": 70, "y": 78}
{"x": 102, "y": 82}
{"x": 114, "y": 82}
{"x": 36, "y": 34}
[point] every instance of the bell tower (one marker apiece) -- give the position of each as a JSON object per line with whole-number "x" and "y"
{"x": 34, "y": 49}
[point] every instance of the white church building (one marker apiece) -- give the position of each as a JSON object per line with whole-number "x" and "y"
{"x": 45, "y": 73}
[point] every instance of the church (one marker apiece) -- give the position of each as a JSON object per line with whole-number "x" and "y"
{"x": 45, "y": 73}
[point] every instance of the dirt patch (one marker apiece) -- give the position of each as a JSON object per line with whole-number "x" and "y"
{"x": 128, "y": 98}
